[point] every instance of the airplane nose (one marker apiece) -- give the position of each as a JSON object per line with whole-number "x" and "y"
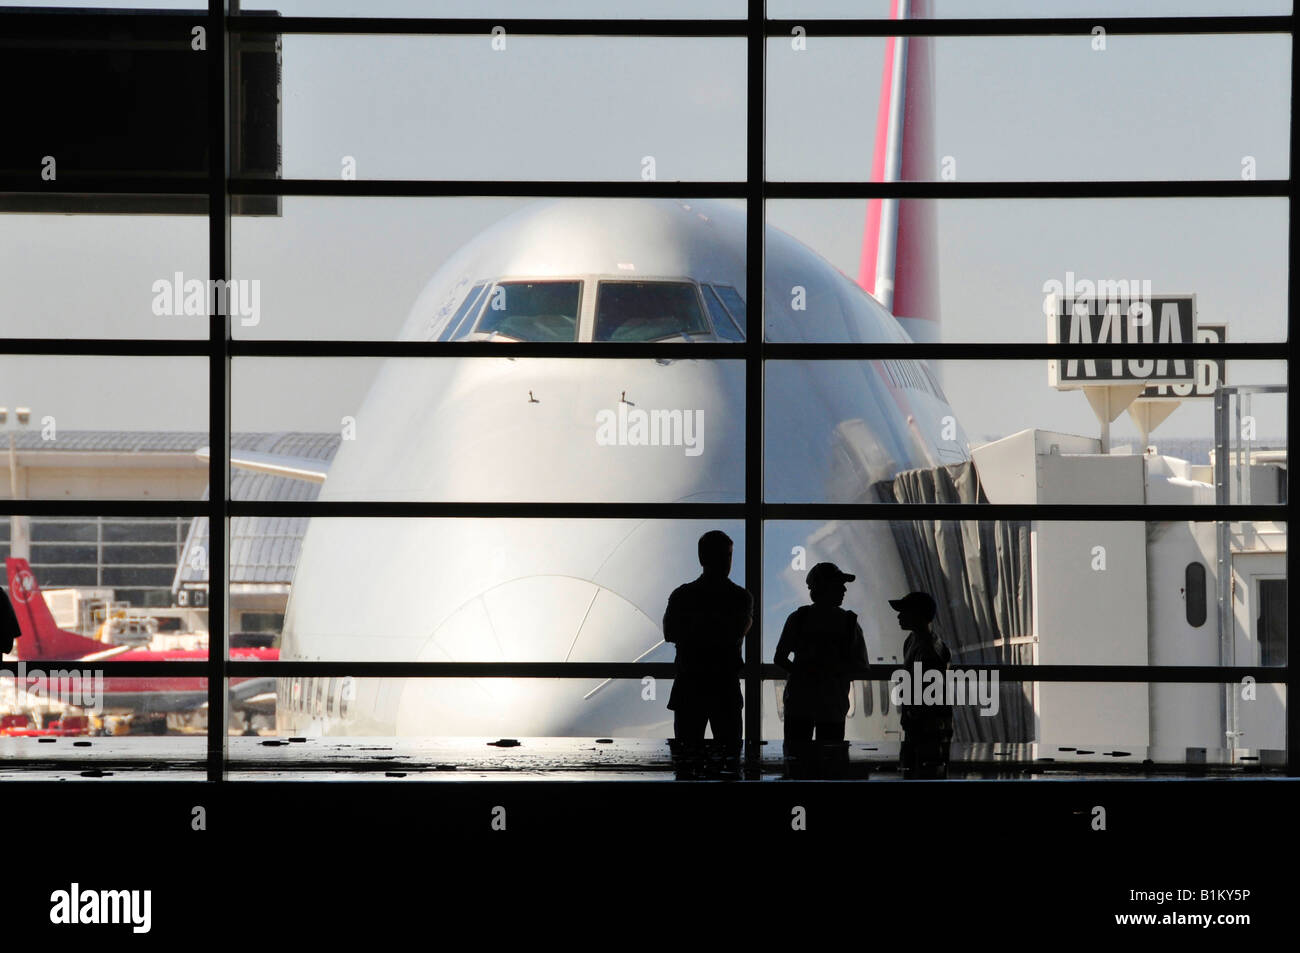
{"x": 542, "y": 618}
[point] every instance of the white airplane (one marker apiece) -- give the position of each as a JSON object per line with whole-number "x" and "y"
{"x": 496, "y": 430}
{"x": 547, "y": 429}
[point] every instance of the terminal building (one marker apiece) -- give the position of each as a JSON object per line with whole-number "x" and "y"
{"x": 155, "y": 562}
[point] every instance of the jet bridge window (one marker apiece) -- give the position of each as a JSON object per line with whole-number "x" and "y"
{"x": 532, "y": 311}
{"x": 647, "y": 310}
{"x": 722, "y": 322}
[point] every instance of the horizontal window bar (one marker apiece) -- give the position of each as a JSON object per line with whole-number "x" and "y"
{"x": 1035, "y": 350}
{"x": 123, "y": 347}
{"x": 777, "y": 28}
{"x": 772, "y": 351}
{"x": 546, "y": 188}
{"x": 65, "y": 507}
{"x": 1083, "y": 512}
{"x": 72, "y": 184}
{"x": 471, "y": 26}
{"x": 1014, "y": 26}
{"x": 1078, "y": 512}
{"x": 252, "y": 23}
{"x": 1163, "y": 674}
{"x": 592, "y": 349}
{"x": 1117, "y": 189}
{"x": 1141, "y": 512}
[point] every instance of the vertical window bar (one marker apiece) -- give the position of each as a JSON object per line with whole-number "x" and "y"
{"x": 218, "y": 378}
{"x": 1293, "y": 295}
{"x": 754, "y": 217}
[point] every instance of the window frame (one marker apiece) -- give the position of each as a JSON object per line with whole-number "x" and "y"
{"x": 219, "y": 189}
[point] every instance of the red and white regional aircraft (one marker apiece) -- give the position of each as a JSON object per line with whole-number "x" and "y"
{"x": 43, "y": 641}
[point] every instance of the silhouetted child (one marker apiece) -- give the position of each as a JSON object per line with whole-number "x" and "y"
{"x": 927, "y": 729}
{"x": 827, "y": 647}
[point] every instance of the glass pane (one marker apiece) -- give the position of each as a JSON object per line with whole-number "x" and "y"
{"x": 121, "y": 427}
{"x": 488, "y": 429}
{"x": 386, "y": 107}
{"x": 491, "y": 590}
{"x": 1175, "y": 107}
{"x": 989, "y": 276}
{"x": 136, "y": 276}
{"x": 410, "y": 263}
{"x": 883, "y": 431}
{"x": 90, "y": 585}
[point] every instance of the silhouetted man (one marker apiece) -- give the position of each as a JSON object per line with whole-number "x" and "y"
{"x": 707, "y": 620}
{"x": 927, "y": 729}
{"x": 828, "y": 646}
{"x": 9, "y": 630}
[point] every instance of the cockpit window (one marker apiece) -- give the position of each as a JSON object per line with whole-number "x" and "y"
{"x": 722, "y": 322}
{"x": 735, "y": 304}
{"x": 533, "y": 310}
{"x": 647, "y": 310}
{"x": 468, "y": 308}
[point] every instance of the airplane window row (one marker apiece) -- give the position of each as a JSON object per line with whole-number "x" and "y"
{"x": 625, "y": 310}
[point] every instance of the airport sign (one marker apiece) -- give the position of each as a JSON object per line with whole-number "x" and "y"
{"x": 1128, "y": 324}
{"x": 1209, "y": 373}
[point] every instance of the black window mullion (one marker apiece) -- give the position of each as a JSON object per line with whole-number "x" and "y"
{"x": 1293, "y": 291}
{"x": 218, "y": 380}
{"x": 755, "y": 180}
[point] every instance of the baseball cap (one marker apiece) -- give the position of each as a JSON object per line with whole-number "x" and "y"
{"x": 827, "y": 573}
{"x": 921, "y": 601}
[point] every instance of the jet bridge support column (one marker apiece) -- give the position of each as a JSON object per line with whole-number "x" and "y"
{"x": 1223, "y": 566}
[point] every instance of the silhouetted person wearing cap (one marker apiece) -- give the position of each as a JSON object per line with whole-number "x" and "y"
{"x": 827, "y": 647}
{"x": 927, "y": 729}
{"x": 707, "y": 620}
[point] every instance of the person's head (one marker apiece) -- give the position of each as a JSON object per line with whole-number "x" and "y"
{"x": 826, "y": 584}
{"x": 715, "y": 552}
{"x": 915, "y": 610}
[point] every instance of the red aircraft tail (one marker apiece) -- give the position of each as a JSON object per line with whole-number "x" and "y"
{"x": 900, "y": 247}
{"x": 41, "y": 637}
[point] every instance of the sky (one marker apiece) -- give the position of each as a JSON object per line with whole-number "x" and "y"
{"x": 574, "y": 107}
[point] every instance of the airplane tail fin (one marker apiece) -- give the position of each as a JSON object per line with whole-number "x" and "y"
{"x": 41, "y": 637}
{"x": 898, "y": 262}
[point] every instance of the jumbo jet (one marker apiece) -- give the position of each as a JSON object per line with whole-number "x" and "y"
{"x": 47, "y": 647}
{"x": 541, "y": 429}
